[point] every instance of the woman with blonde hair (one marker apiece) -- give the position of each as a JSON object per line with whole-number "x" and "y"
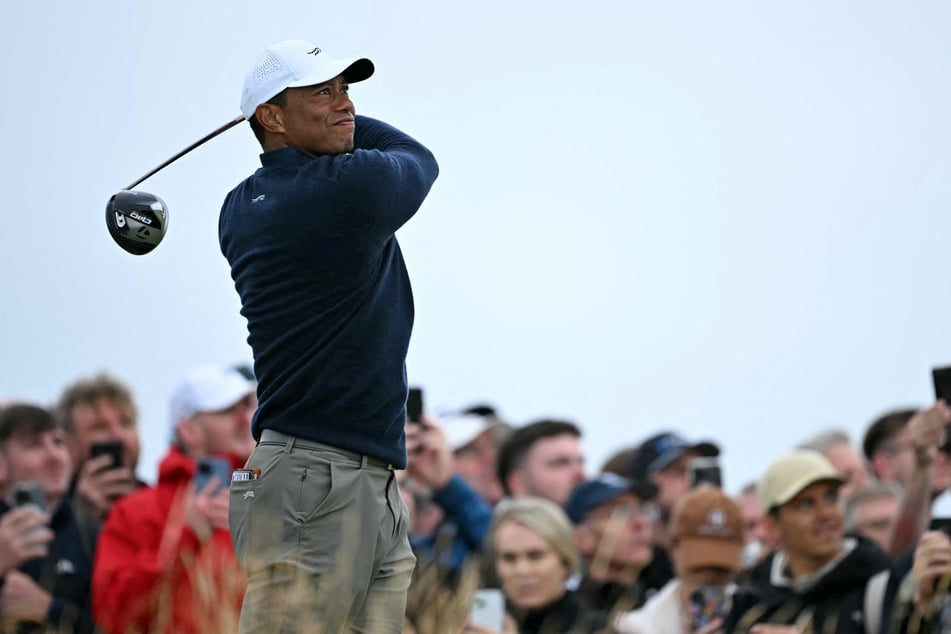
{"x": 534, "y": 554}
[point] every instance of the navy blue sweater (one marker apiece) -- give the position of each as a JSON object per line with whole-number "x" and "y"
{"x": 324, "y": 288}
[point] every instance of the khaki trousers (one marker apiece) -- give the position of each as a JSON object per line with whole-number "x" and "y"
{"x": 322, "y": 536}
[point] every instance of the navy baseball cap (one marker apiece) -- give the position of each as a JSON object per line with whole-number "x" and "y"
{"x": 601, "y": 490}
{"x": 657, "y": 452}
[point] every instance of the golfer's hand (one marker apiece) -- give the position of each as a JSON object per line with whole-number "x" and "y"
{"x": 100, "y": 485}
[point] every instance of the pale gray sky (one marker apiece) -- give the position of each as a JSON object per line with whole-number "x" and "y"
{"x": 725, "y": 218}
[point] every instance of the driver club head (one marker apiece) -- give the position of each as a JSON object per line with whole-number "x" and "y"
{"x": 136, "y": 220}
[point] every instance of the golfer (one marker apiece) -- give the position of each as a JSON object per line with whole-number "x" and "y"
{"x": 316, "y": 518}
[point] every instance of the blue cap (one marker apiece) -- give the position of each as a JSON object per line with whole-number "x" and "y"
{"x": 658, "y": 452}
{"x": 601, "y": 490}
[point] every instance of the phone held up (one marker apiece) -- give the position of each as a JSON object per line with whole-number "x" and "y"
{"x": 213, "y": 467}
{"x": 704, "y": 470}
{"x": 488, "y": 609}
{"x": 414, "y": 404}
{"x": 108, "y": 448}
{"x": 707, "y": 604}
{"x": 942, "y": 389}
{"x": 28, "y": 493}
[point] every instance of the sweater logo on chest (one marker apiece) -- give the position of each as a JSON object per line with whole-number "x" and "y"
{"x": 257, "y": 199}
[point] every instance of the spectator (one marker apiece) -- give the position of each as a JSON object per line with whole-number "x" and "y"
{"x": 819, "y": 580}
{"x": 662, "y": 460}
{"x": 474, "y": 438}
{"x": 466, "y": 516}
{"x": 96, "y": 409}
{"x": 871, "y": 511}
{"x": 534, "y": 557}
{"x": 44, "y": 562}
{"x": 835, "y": 445}
{"x": 165, "y": 562}
{"x": 923, "y": 602}
{"x": 759, "y": 543}
{"x": 888, "y": 447}
{"x": 542, "y": 459}
{"x": 912, "y": 453}
{"x": 707, "y": 547}
{"x": 613, "y": 518}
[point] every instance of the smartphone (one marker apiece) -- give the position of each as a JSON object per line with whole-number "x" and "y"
{"x": 488, "y": 609}
{"x": 208, "y": 468}
{"x": 109, "y": 448}
{"x": 942, "y": 389}
{"x": 706, "y": 604}
{"x": 25, "y": 493}
{"x": 700, "y": 470}
{"x": 414, "y": 404}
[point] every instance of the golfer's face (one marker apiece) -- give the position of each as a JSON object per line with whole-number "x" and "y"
{"x": 319, "y": 119}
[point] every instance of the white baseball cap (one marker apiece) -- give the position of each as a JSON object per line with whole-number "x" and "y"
{"x": 464, "y": 429}
{"x": 209, "y": 388}
{"x": 292, "y": 64}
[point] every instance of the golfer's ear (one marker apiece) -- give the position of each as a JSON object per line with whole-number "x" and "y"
{"x": 271, "y": 117}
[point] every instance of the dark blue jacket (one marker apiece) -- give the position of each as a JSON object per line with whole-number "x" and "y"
{"x": 314, "y": 257}
{"x": 65, "y": 572}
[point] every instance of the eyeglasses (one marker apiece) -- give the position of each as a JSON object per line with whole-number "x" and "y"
{"x": 646, "y": 511}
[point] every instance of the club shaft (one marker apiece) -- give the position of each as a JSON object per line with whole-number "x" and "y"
{"x": 191, "y": 147}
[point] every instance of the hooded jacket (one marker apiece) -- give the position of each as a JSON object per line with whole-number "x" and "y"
{"x": 830, "y": 600}
{"x": 153, "y": 574}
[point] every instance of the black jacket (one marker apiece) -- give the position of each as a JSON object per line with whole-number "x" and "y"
{"x": 832, "y": 602}
{"x": 65, "y": 573}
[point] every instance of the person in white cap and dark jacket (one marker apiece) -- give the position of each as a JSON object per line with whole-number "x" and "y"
{"x": 819, "y": 580}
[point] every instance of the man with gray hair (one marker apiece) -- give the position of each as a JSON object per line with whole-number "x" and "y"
{"x": 836, "y": 446}
{"x": 871, "y": 510}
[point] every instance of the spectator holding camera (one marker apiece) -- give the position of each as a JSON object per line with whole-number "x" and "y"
{"x": 99, "y": 410}
{"x": 910, "y": 449}
{"x": 707, "y": 544}
{"x": 44, "y": 562}
{"x": 164, "y": 561}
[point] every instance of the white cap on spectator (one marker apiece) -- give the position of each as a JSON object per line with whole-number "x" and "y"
{"x": 209, "y": 388}
{"x": 462, "y": 430}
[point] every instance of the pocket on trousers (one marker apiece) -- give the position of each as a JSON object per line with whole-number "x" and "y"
{"x": 316, "y": 489}
{"x": 239, "y": 517}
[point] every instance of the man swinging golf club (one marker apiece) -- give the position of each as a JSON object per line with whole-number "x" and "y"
{"x": 316, "y": 518}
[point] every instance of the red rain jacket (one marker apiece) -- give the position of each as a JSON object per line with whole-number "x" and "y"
{"x": 153, "y": 575}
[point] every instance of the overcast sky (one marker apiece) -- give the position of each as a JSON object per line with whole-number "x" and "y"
{"x": 729, "y": 219}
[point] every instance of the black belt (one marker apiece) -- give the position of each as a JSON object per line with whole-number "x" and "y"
{"x": 273, "y": 437}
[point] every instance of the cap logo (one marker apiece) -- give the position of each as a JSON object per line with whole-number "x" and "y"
{"x": 316, "y": 51}
{"x": 716, "y": 525}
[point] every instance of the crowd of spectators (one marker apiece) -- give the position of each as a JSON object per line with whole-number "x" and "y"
{"x": 835, "y": 536}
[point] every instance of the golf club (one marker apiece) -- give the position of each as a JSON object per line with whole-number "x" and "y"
{"x": 137, "y": 220}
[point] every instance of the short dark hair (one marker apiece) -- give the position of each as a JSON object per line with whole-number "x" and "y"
{"x": 883, "y": 428}
{"x": 280, "y": 99}
{"x": 21, "y": 418}
{"x": 512, "y": 452}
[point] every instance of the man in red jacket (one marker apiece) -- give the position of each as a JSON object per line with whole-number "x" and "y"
{"x": 164, "y": 560}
